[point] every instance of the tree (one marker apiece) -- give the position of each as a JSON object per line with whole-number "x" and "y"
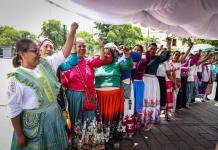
{"x": 89, "y": 39}
{"x": 201, "y": 41}
{"x": 9, "y": 36}
{"x": 54, "y": 30}
{"x": 27, "y": 34}
{"x": 127, "y": 34}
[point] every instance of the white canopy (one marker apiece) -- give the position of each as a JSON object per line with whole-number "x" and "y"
{"x": 204, "y": 47}
{"x": 185, "y": 18}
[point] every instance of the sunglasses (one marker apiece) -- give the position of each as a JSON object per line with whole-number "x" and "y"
{"x": 35, "y": 50}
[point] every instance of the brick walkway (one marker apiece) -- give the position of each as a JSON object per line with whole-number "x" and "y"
{"x": 193, "y": 129}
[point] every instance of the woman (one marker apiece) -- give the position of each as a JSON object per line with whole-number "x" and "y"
{"x": 151, "y": 109}
{"x": 138, "y": 84}
{"x": 79, "y": 81}
{"x": 46, "y": 47}
{"x": 111, "y": 97}
{"x": 37, "y": 120}
{"x": 176, "y": 66}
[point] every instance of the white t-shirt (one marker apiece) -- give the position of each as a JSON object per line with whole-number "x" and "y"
{"x": 22, "y": 97}
{"x": 177, "y": 66}
{"x": 206, "y": 73}
{"x": 161, "y": 70}
{"x": 192, "y": 73}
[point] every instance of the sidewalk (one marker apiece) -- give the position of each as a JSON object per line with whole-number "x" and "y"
{"x": 193, "y": 129}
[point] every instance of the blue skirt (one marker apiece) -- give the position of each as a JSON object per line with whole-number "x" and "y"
{"x": 75, "y": 104}
{"x": 138, "y": 94}
{"x": 44, "y": 129}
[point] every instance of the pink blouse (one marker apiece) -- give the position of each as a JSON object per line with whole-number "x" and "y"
{"x": 71, "y": 79}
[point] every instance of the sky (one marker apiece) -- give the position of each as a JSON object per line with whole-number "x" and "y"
{"x": 30, "y": 14}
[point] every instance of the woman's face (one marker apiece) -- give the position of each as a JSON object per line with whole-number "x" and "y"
{"x": 138, "y": 49}
{"x": 176, "y": 56}
{"x": 47, "y": 48}
{"x": 81, "y": 49}
{"x": 108, "y": 54}
{"x": 31, "y": 57}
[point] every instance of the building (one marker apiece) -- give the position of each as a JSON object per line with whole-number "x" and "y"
{"x": 7, "y": 52}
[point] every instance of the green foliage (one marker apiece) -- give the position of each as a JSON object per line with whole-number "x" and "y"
{"x": 201, "y": 41}
{"x": 90, "y": 42}
{"x": 27, "y": 34}
{"x": 9, "y": 36}
{"x": 54, "y": 30}
{"x": 127, "y": 34}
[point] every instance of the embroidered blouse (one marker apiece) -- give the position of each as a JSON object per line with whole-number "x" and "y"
{"x": 71, "y": 79}
{"x": 110, "y": 75}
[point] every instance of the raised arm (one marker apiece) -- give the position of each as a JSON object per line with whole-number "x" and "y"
{"x": 70, "y": 40}
{"x": 74, "y": 50}
{"x": 182, "y": 58}
{"x": 169, "y": 43}
{"x": 204, "y": 60}
{"x": 101, "y": 48}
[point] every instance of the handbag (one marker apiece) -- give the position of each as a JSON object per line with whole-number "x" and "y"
{"x": 90, "y": 96}
{"x": 66, "y": 113}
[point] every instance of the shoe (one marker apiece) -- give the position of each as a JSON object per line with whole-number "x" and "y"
{"x": 148, "y": 127}
{"x": 168, "y": 118}
{"x": 116, "y": 145}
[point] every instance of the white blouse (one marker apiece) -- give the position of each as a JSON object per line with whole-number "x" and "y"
{"x": 22, "y": 97}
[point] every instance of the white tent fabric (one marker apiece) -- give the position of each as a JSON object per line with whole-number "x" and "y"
{"x": 185, "y": 18}
{"x": 203, "y": 47}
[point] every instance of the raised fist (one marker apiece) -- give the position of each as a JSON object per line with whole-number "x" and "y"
{"x": 74, "y": 26}
{"x": 101, "y": 42}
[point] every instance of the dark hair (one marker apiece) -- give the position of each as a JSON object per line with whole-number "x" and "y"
{"x": 176, "y": 52}
{"x": 112, "y": 54}
{"x": 154, "y": 44}
{"x": 21, "y": 46}
{"x": 140, "y": 46}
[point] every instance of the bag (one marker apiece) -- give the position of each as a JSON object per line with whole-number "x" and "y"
{"x": 90, "y": 97}
{"x": 90, "y": 100}
{"x": 66, "y": 113}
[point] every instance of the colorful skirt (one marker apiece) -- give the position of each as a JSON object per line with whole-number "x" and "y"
{"x": 139, "y": 87}
{"x": 151, "y": 105}
{"x": 87, "y": 126}
{"x": 129, "y": 104}
{"x": 169, "y": 96}
{"x": 111, "y": 105}
{"x": 44, "y": 129}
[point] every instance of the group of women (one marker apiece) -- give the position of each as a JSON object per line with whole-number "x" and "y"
{"x": 108, "y": 96}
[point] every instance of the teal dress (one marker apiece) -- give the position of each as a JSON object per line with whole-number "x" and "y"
{"x": 43, "y": 127}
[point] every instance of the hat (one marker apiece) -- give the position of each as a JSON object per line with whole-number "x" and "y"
{"x": 42, "y": 40}
{"x": 111, "y": 46}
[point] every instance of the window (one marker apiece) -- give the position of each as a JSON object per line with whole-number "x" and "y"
{"x": 1, "y": 53}
{"x": 174, "y": 42}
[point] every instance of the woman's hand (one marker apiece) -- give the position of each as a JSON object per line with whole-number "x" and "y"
{"x": 74, "y": 26}
{"x": 101, "y": 42}
{"x": 21, "y": 140}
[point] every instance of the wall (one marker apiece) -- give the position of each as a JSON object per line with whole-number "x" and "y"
{"x": 5, "y": 125}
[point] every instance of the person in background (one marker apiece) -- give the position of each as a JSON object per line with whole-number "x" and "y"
{"x": 35, "y": 115}
{"x": 138, "y": 83}
{"x": 111, "y": 96}
{"x": 151, "y": 104}
{"x": 46, "y": 47}
{"x": 79, "y": 82}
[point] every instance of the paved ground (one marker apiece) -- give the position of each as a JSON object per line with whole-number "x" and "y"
{"x": 193, "y": 129}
